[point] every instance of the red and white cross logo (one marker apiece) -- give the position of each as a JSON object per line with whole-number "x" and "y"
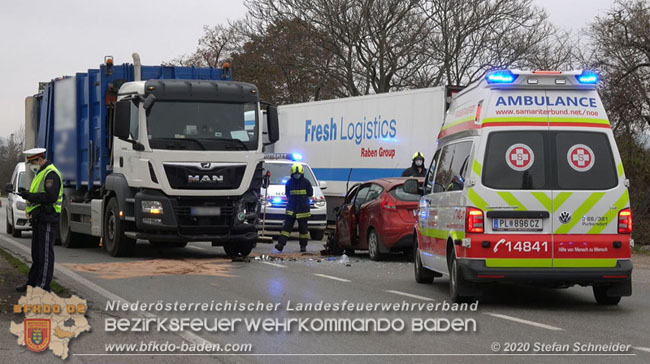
{"x": 520, "y": 157}
{"x": 580, "y": 157}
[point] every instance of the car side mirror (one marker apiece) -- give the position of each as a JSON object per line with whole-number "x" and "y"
{"x": 9, "y": 188}
{"x": 412, "y": 186}
{"x": 322, "y": 185}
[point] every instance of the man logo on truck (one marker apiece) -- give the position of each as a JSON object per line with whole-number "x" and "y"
{"x": 204, "y": 179}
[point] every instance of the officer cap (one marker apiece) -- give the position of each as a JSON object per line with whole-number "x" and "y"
{"x": 34, "y": 153}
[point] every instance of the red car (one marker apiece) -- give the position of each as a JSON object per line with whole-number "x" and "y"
{"x": 378, "y": 216}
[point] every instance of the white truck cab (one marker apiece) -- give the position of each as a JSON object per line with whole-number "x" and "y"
{"x": 274, "y": 198}
{"x": 527, "y": 185}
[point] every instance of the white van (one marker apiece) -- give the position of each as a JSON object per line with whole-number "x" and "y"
{"x": 274, "y": 203}
{"x": 526, "y": 185}
{"x": 17, "y": 220}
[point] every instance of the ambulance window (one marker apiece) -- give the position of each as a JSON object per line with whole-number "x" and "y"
{"x": 448, "y": 175}
{"x": 584, "y": 161}
{"x": 430, "y": 173}
{"x": 516, "y": 160}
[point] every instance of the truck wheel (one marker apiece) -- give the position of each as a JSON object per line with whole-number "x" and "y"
{"x": 456, "y": 281}
{"x": 69, "y": 239}
{"x": 239, "y": 249}
{"x": 422, "y": 274}
{"x": 8, "y": 228}
{"x": 373, "y": 245}
{"x": 317, "y": 234}
{"x": 116, "y": 243}
{"x": 600, "y": 293}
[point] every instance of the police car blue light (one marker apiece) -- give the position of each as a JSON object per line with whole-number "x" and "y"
{"x": 501, "y": 76}
{"x": 296, "y": 156}
{"x": 588, "y": 77}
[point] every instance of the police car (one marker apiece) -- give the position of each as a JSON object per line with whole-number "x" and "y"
{"x": 275, "y": 202}
{"x": 526, "y": 185}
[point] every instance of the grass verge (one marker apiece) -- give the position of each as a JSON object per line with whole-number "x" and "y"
{"x": 24, "y": 269}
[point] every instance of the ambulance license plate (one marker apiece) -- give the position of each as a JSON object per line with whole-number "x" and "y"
{"x": 205, "y": 211}
{"x": 517, "y": 225}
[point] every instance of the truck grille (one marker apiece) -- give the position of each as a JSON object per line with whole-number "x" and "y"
{"x": 204, "y": 176}
{"x": 189, "y": 224}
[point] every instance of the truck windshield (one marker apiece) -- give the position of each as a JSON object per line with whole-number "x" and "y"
{"x": 281, "y": 172}
{"x": 203, "y": 125}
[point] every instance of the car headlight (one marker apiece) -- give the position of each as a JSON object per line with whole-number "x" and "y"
{"x": 319, "y": 201}
{"x": 21, "y": 206}
{"x": 152, "y": 207}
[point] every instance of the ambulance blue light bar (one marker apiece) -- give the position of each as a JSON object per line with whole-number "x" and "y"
{"x": 588, "y": 77}
{"x": 500, "y": 76}
{"x": 290, "y": 156}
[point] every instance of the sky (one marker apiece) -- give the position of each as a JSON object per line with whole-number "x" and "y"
{"x": 44, "y": 39}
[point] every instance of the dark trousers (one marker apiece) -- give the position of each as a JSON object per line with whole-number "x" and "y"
{"x": 42, "y": 270}
{"x": 288, "y": 227}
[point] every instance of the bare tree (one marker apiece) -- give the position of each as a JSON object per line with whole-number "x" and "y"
{"x": 373, "y": 43}
{"x": 214, "y": 47}
{"x": 11, "y": 154}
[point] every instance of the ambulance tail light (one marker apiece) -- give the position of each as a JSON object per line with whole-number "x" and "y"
{"x": 588, "y": 77}
{"x": 625, "y": 221}
{"x": 474, "y": 222}
{"x": 501, "y": 76}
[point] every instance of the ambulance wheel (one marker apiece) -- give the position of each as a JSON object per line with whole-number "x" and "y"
{"x": 600, "y": 293}
{"x": 373, "y": 245}
{"x": 317, "y": 234}
{"x": 456, "y": 281}
{"x": 422, "y": 274}
{"x": 238, "y": 249}
{"x": 116, "y": 243}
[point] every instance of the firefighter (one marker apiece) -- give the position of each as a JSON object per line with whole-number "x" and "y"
{"x": 417, "y": 167}
{"x": 44, "y": 200}
{"x": 298, "y": 191}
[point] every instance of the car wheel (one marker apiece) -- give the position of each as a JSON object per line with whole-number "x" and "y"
{"x": 117, "y": 244}
{"x": 373, "y": 245}
{"x": 422, "y": 274}
{"x": 317, "y": 234}
{"x": 456, "y": 281}
{"x": 600, "y": 293}
{"x": 8, "y": 228}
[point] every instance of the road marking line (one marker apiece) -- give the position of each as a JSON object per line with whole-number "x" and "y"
{"x": 274, "y": 264}
{"x": 522, "y": 321}
{"x": 410, "y": 295}
{"x": 641, "y": 348}
{"x": 103, "y": 292}
{"x": 332, "y": 277}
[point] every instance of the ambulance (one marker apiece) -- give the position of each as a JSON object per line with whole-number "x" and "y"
{"x": 526, "y": 186}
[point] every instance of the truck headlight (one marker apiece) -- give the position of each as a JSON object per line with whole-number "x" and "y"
{"x": 21, "y": 206}
{"x": 152, "y": 207}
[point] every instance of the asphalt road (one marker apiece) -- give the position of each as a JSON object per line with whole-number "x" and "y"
{"x": 201, "y": 273}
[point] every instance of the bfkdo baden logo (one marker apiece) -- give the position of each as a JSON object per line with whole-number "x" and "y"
{"x": 51, "y": 322}
{"x": 37, "y": 334}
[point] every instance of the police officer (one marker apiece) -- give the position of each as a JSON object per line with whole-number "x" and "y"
{"x": 298, "y": 191}
{"x": 44, "y": 200}
{"x": 417, "y": 167}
